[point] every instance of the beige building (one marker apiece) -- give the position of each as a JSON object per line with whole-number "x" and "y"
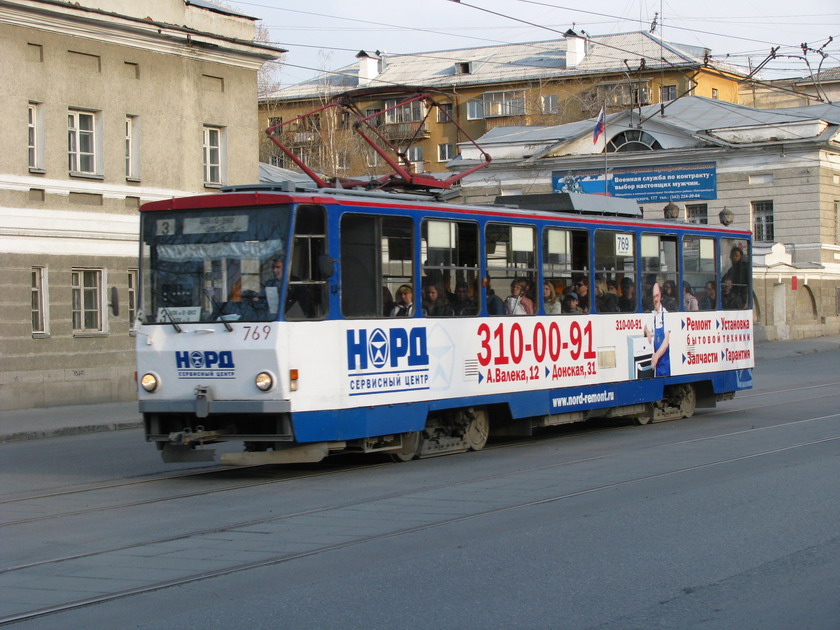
{"x": 536, "y": 83}
{"x": 107, "y": 104}
{"x": 774, "y": 172}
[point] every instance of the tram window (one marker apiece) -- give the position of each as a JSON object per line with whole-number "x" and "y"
{"x": 450, "y": 268}
{"x": 565, "y": 267}
{"x": 700, "y": 279}
{"x": 306, "y": 295}
{"x": 615, "y": 268}
{"x": 377, "y": 258}
{"x": 735, "y": 281}
{"x": 512, "y": 267}
{"x": 659, "y": 266}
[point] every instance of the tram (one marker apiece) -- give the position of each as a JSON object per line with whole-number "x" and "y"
{"x": 307, "y": 323}
{"x": 375, "y": 317}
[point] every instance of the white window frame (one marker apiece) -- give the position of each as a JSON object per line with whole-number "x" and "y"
{"x": 83, "y": 142}
{"x": 551, "y": 104}
{"x": 410, "y": 112}
{"x": 132, "y": 147}
{"x": 131, "y": 297}
{"x": 763, "y": 223}
{"x": 475, "y": 109}
{"x": 35, "y": 142}
{"x": 88, "y": 301}
{"x": 441, "y": 116}
{"x": 40, "y": 302}
{"x": 445, "y": 151}
{"x": 505, "y": 103}
{"x": 213, "y": 155}
{"x": 667, "y": 93}
{"x": 414, "y": 153}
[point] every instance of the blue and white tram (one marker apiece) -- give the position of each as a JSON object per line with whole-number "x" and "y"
{"x": 310, "y": 323}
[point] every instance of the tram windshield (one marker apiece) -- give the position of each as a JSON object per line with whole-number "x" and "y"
{"x": 214, "y": 265}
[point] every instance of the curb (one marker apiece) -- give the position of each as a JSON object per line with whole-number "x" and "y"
{"x": 62, "y": 431}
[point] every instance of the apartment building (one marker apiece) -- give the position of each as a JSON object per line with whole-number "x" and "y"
{"x": 107, "y": 104}
{"x": 540, "y": 83}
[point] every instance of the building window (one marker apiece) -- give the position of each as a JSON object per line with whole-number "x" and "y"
{"x": 715, "y": 93}
{"x": 132, "y": 297}
{"x": 667, "y": 93}
{"x": 36, "y": 140}
{"x": 510, "y": 103}
{"x": 763, "y": 220}
{"x": 633, "y": 140}
{"x": 86, "y": 285}
{"x": 446, "y": 152}
{"x": 623, "y": 94}
{"x": 213, "y": 156}
{"x": 410, "y": 112}
{"x": 132, "y": 147}
{"x": 81, "y": 142}
{"x": 414, "y": 154}
{"x": 837, "y": 222}
{"x": 475, "y": 110}
{"x": 550, "y": 104}
{"x": 40, "y": 302}
{"x": 444, "y": 114}
{"x": 697, "y": 213}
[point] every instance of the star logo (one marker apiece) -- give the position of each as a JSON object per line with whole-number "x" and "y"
{"x": 197, "y": 359}
{"x": 378, "y": 348}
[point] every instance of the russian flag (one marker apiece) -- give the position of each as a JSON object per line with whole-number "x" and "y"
{"x": 599, "y": 127}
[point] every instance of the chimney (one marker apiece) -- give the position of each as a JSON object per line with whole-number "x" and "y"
{"x": 575, "y": 49}
{"x": 368, "y": 68}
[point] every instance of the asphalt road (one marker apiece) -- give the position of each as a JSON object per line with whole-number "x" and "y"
{"x": 728, "y": 520}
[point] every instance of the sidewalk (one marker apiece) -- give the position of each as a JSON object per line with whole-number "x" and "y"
{"x": 29, "y": 424}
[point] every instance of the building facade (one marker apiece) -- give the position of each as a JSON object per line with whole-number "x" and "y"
{"x": 774, "y": 172}
{"x": 537, "y": 83}
{"x": 109, "y": 104}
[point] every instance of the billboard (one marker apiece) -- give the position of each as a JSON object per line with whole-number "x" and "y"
{"x": 644, "y": 184}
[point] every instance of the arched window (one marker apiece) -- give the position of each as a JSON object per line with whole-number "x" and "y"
{"x": 633, "y": 140}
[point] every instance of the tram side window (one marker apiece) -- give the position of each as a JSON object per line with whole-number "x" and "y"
{"x": 735, "y": 281}
{"x": 659, "y": 266}
{"x": 450, "y": 268}
{"x": 615, "y": 270}
{"x": 306, "y": 295}
{"x": 377, "y": 266}
{"x": 565, "y": 270}
{"x": 699, "y": 277}
{"x": 511, "y": 269}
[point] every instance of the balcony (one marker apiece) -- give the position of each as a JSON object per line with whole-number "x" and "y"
{"x": 404, "y": 131}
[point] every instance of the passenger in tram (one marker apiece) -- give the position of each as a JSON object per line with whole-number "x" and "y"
{"x": 658, "y": 335}
{"x": 730, "y": 297}
{"x": 297, "y": 299}
{"x": 582, "y": 290}
{"x": 606, "y": 301}
{"x": 551, "y": 304}
{"x": 571, "y": 304}
{"x": 627, "y": 301}
{"x": 405, "y": 302}
{"x": 670, "y": 299}
{"x": 517, "y": 303}
{"x": 495, "y": 306}
{"x": 689, "y": 299}
{"x": 739, "y": 274}
{"x": 709, "y": 301}
{"x": 435, "y": 303}
{"x": 463, "y": 305}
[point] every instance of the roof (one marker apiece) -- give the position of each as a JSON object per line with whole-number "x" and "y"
{"x": 605, "y": 54}
{"x": 699, "y": 121}
{"x": 218, "y": 9}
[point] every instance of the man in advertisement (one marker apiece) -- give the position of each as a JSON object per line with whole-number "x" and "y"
{"x": 659, "y": 336}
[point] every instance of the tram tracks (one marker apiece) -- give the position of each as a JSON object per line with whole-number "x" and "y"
{"x": 423, "y": 495}
{"x": 285, "y": 475}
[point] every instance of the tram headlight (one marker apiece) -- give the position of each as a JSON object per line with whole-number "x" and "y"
{"x": 150, "y": 382}
{"x": 264, "y": 381}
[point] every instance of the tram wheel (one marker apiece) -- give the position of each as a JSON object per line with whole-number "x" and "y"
{"x": 688, "y": 401}
{"x": 642, "y": 420}
{"x": 478, "y": 430}
{"x": 411, "y": 443}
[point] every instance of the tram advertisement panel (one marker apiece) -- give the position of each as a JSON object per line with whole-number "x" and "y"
{"x": 441, "y": 358}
